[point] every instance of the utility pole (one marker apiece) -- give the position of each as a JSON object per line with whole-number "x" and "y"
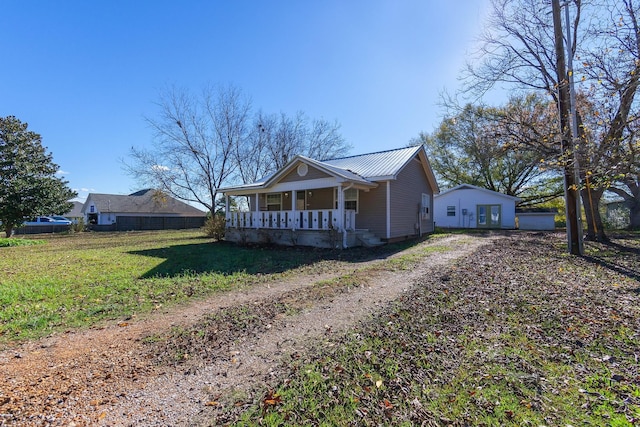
{"x": 571, "y": 180}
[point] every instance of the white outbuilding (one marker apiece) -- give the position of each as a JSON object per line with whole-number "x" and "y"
{"x": 468, "y": 206}
{"x": 536, "y": 219}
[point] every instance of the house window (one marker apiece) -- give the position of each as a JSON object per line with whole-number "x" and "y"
{"x": 350, "y": 199}
{"x": 425, "y": 206}
{"x": 274, "y": 202}
{"x": 451, "y": 211}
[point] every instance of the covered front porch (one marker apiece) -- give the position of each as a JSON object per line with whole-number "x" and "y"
{"x": 311, "y": 216}
{"x": 319, "y": 219}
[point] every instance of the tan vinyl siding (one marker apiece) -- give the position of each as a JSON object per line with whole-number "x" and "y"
{"x": 252, "y": 201}
{"x": 406, "y": 196}
{"x": 286, "y": 201}
{"x": 312, "y": 173}
{"x": 372, "y": 210}
{"x": 321, "y": 198}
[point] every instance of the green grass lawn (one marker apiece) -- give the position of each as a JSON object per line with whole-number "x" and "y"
{"x": 520, "y": 335}
{"x": 76, "y": 280}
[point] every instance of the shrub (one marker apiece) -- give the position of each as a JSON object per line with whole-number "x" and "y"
{"x": 214, "y": 227}
{"x": 19, "y": 242}
{"x": 79, "y": 226}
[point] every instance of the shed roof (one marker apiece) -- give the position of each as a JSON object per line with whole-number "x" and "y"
{"x": 144, "y": 201}
{"x": 480, "y": 189}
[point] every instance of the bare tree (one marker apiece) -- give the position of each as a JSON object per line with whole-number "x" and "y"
{"x": 518, "y": 49}
{"x": 207, "y": 141}
{"x": 195, "y": 140}
{"x": 276, "y": 138}
{"x": 252, "y": 157}
{"x": 324, "y": 140}
{"x": 614, "y": 69}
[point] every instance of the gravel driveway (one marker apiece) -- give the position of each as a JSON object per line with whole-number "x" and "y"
{"x": 127, "y": 374}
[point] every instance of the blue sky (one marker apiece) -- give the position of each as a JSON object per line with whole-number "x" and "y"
{"x": 84, "y": 74}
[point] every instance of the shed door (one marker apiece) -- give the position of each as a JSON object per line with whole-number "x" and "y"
{"x": 489, "y": 216}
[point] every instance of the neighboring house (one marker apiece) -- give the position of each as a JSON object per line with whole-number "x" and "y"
{"x": 143, "y": 210}
{"x": 76, "y": 213}
{"x": 536, "y": 218}
{"x": 359, "y": 200}
{"x": 468, "y": 206}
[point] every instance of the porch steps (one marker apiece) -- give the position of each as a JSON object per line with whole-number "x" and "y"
{"x": 368, "y": 239}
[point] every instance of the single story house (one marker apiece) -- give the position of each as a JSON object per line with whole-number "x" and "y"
{"x": 536, "y": 218}
{"x": 144, "y": 210}
{"x": 468, "y": 206}
{"x": 76, "y": 212}
{"x": 364, "y": 200}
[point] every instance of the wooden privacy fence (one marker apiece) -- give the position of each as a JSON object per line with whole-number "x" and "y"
{"x": 132, "y": 223}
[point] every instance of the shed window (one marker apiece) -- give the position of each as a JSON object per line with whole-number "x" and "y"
{"x": 451, "y": 211}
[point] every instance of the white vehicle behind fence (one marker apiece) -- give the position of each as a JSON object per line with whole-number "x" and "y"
{"x": 47, "y": 220}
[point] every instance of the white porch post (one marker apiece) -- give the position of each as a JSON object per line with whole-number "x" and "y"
{"x": 340, "y": 224}
{"x": 294, "y": 200}
{"x": 256, "y": 222}
{"x": 227, "y": 213}
{"x": 388, "y": 209}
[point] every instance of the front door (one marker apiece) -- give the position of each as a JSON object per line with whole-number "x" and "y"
{"x": 489, "y": 216}
{"x": 301, "y": 200}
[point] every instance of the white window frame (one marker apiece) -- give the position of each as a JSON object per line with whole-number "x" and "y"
{"x": 348, "y": 197}
{"x": 451, "y": 210}
{"x": 268, "y": 203}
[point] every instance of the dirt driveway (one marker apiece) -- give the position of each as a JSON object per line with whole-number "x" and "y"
{"x": 147, "y": 372}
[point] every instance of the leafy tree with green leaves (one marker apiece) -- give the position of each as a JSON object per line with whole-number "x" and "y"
{"x": 28, "y": 185}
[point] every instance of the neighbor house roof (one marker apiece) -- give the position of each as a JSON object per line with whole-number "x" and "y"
{"x": 144, "y": 201}
{"x": 76, "y": 211}
{"x": 480, "y": 189}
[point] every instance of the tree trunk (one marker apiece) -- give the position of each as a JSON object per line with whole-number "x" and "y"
{"x": 591, "y": 202}
{"x": 8, "y": 230}
{"x": 574, "y": 237}
{"x": 634, "y": 214}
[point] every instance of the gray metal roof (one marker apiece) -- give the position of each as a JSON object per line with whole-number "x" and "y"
{"x": 364, "y": 169}
{"x": 145, "y": 201}
{"x": 383, "y": 164}
{"x": 336, "y": 170}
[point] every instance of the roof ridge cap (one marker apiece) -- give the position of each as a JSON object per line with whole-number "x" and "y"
{"x": 375, "y": 152}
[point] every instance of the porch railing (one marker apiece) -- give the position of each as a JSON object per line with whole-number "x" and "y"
{"x": 320, "y": 219}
